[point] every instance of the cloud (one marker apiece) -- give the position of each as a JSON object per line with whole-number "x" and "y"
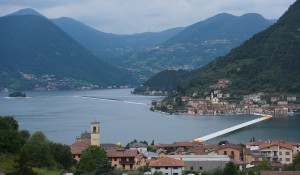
{"x": 135, "y": 16}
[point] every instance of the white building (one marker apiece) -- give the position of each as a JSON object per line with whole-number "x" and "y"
{"x": 202, "y": 162}
{"x": 167, "y": 166}
{"x": 141, "y": 147}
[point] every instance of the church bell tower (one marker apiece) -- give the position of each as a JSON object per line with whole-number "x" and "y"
{"x": 95, "y": 132}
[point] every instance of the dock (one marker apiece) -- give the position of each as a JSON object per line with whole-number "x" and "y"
{"x": 233, "y": 128}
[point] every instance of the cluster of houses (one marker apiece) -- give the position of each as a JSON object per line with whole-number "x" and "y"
{"x": 217, "y": 103}
{"x": 173, "y": 159}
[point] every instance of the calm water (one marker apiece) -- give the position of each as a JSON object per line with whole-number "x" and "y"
{"x": 63, "y": 115}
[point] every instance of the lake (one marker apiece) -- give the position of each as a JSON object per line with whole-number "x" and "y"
{"x": 63, "y": 115}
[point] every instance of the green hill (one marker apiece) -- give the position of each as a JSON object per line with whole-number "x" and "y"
{"x": 198, "y": 44}
{"x": 167, "y": 80}
{"x": 268, "y": 62}
{"x": 34, "y": 45}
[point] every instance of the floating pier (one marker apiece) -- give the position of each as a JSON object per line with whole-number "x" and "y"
{"x": 233, "y": 128}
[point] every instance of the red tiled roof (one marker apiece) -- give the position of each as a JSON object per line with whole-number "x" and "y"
{"x": 166, "y": 162}
{"x": 176, "y": 144}
{"x": 276, "y": 143}
{"x": 109, "y": 146}
{"x": 233, "y": 146}
{"x": 79, "y": 146}
{"x": 122, "y": 153}
{"x": 280, "y": 172}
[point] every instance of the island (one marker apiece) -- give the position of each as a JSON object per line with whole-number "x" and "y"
{"x": 17, "y": 94}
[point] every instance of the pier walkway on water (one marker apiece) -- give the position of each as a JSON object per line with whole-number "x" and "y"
{"x": 233, "y": 128}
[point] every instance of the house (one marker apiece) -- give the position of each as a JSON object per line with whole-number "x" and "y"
{"x": 191, "y": 111}
{"x": 167, "y": 166}
{"x": 281, "y": 110}
{"x": 291, "y": 98}
{"x": 176, "y": 145}
{"x": 231, "y": 150}
{"x": 161, "y": 153}
{"x": 202, "y": 162}
{"x": 85, "y": 140}
{"x": 141, "y": 147}
{"x": 223, "y": 81}
{"x": 282, "y": 103}
{"x": 150, "y": 155}
{"x": 274, "y": 151}
{"x": 185, "y": 98}
{"x": 126, "y": 159}
{"x": 215, "y": 100}
{"x": 274, "y": 99}
{"x": 77, "y": 148}
{"x": 278, "y": 152}
{"x": 109, "y": 146}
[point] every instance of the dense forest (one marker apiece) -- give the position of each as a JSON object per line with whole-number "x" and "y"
{"x": 268, "y": 62}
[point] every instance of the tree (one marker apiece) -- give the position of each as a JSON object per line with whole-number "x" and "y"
{"x": 38, "y": 149}
{"x": 90, "y": 159}
{"x": 23, "y": 166}
{"x": 62, "y": 154}
{"x": 295, "y": 166}
{"x": 25, "y": 135}
{"x": 10, "y": 139}
{"x": 104, "y": 167}
{"x": 152, "y": 143}
{"x": 230, "y": 169}
{"x": 263, "y": 165}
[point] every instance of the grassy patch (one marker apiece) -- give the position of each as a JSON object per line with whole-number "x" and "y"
{"x": 41, "y": 171}
{"x": 7, "y": 162}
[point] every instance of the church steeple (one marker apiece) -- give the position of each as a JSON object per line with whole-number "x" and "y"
{"x": 95, "y": 132}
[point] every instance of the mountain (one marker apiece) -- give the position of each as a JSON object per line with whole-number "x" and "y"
{"x": 27, "y": 11}
{"x": 198, "y": 44}
{"x": 32, "y": 48}
{"x": 167, "y": 80}
{"x": 108, "y": 46}
{"x": 268, "y": 62}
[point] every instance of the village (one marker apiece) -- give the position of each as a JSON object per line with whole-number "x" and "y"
{"x": 217, "y": 103}
{"x": 179, "y": 157}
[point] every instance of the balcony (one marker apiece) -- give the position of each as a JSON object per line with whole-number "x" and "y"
{"x": 127, "y": 162}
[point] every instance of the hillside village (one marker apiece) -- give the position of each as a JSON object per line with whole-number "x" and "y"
{"x": 219, "y": 102}
{"x": 179, "y": 157}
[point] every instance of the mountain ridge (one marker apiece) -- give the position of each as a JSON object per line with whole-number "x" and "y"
{"x": 33, "y": 45}
{"x": 268, "y": 62}
{"x": 198, "y": 44}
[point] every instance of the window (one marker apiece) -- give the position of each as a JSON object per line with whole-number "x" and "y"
{"x": 157, "y": 168}
{"x": 280, "y": 153}
{"x": 131, "y": 166}
{"x": 175, "y": 168}
{"x": 166, "y": 167}
{"x": 123, "y": 167}
{"x": 192, "y": 168}
{"x": 115, "y": 165}
{"x": 175, "y": 173}
{"x": 200, "y": 168}
{"x": 166, "y": 174}
{"x": 115, "y": 159}
{"x": 225, "y": 152}
{"x": 94, "y": 129}
{"x": 287, "y": 159}
{"x": 287, "y": 153}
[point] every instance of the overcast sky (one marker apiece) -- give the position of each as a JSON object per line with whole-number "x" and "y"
{"x": 136, "y": 16}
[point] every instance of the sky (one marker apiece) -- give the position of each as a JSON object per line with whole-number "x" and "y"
{"x": 137, "y": 16}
